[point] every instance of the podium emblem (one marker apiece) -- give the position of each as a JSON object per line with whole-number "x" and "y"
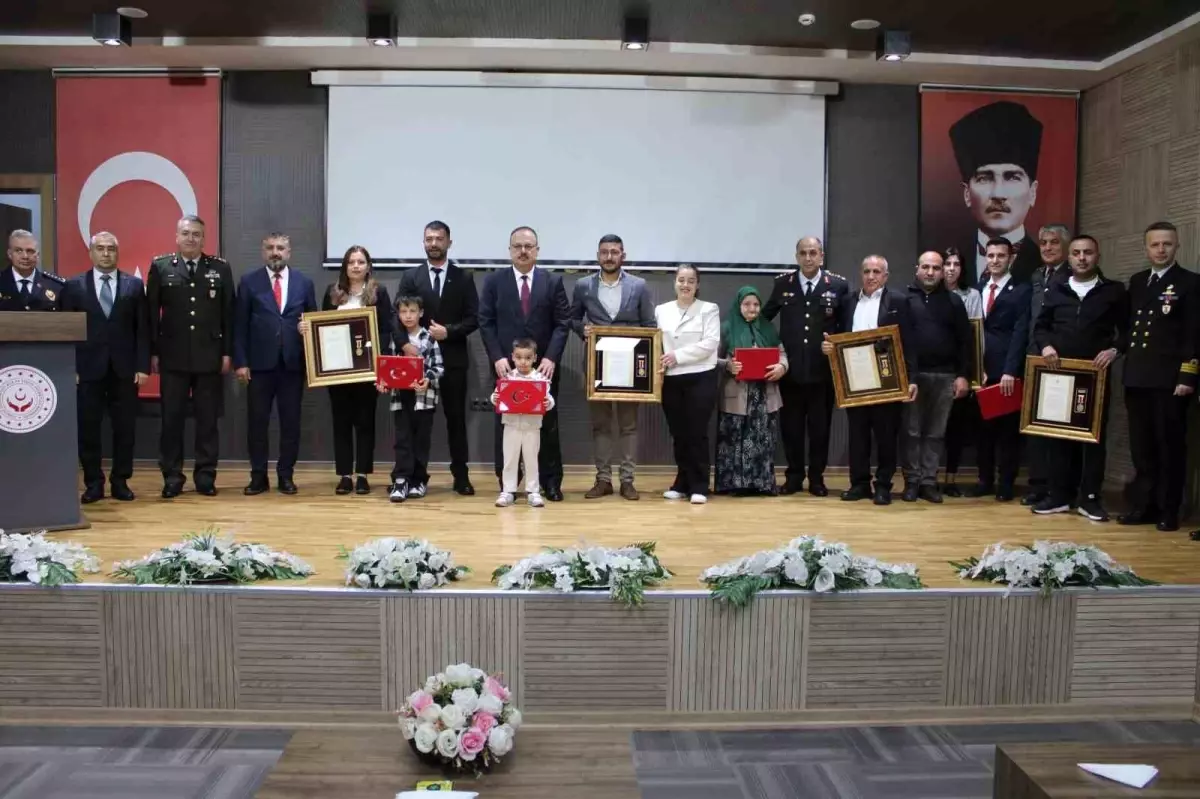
{"x": 28, "y": 399}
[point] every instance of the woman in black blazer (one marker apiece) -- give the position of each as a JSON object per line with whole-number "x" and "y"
{"x": 353, "y": 405}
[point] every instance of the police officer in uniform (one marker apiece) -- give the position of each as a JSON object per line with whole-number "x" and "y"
{"x": 806, "y": 302}
{"x": 1161, "y": 367}
{"x": 190, "y": 296}
{"x": 24, "y": 287}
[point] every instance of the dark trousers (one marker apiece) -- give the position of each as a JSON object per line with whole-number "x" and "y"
{"x": 1077, "y": 468}
{"x": 962, "y": 429}
{"x": 206, "y": 389}
{"x": 999, "y": 449}
{"x": 881, "y": 423}
{"x": 688, "y": 401}
{"x": 1037, "y": 457}
{"x": 118, "y": 396}
{"x": 283, "y": 388}
{"x": 413, "y": 432}
{"x": 807, "y": 409}
{"x": 453, "y": 400}
{"x": 550, "y": 467}
{"x": 1158, "y": 444}
{"x": 353, "y": 407}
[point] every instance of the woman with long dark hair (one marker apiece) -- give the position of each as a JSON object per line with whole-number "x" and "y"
{"x": 963, "y": 424}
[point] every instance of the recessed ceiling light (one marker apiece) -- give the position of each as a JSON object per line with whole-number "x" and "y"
{"x": 865, "y": 24}
{"x": 132, "y": 13}
{"x": 807, "y": 19}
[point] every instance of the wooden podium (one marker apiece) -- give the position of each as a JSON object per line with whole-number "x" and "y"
{"x": 39, "y": 458}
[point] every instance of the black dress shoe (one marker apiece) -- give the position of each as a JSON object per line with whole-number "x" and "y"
{"x": 1033, "y": 498}
{"x": 789, "y": 488}
{"x": 344, "y": 486}
{"x": 930, "y": 494}
{"x": 855, "y": 493}
{"x": 120, "y": 491}
{"x": 1140, "y": 516}
{"x": 93, "y": 493}
{"x": 286, "y": 485}
{"x": 818, "y": 489}
{"x": 172, "y": 490}
{"x": 256, "y": 486}
{"x": 361, "y": 486}
{"x": 911, "y": 491}
{"x": 206, "y": 489}
{"x": 883, "y": 496}
{"x": 1005, "y": 494}
{"x": 1168, "y": 524}
{"x": 464, "y": 488}
{"x": 982, "y": 490}
{"x": 553, "y": 493}
{"x": 951, "y": 490}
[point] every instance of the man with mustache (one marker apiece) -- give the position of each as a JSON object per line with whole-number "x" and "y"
{"x": 997, "y": 148}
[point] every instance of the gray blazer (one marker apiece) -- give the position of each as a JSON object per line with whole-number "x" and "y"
{"x": 1040, "y": 287}
{"x": 734, "y": 395}
{"x": 637, "y": 308}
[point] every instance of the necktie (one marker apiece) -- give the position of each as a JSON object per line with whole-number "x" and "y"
{"x": 1153, "y": 279}
{"x": 25, "y": 289}
{"x": 807, "y": 289}
{"x": 278, "y": 288}
{"x": 525, "y": 294}
{"x": 106, "y": 295}
{"x": 437, "y": 281}
{"x": 191, "y": 265}
{"x": 992, "y": 298}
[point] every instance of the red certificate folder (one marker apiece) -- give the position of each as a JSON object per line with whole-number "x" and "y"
{"x": 521, "y": 396}
{"x": 992, "y": 403}
{"x": 755, "y": 361}
{"x": 400, "y": 371}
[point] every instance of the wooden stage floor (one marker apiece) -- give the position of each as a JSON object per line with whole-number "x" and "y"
{"x": 313, "y": 523}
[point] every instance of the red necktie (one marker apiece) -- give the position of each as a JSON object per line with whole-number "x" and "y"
{"x": 525, "y": 294}
{"x": 992, "y": 298}
{"x": 279, "y": 291}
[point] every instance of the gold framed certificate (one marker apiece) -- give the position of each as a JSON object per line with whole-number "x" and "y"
{"x": 622, "y": 364}
{"x": 1067, "y": 402}
{"x": 341, "y": 346}
{"x": 868, "y": 367}
{"x": 976, "y": 367}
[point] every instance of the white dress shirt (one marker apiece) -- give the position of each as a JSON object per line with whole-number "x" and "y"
{"x": 692, "y": 333}
{"x": 805, "y": 282}
{"x": 1015, "y": 237}
{"x": 352, "y": 300}
{"x": 440, "y": 271}
{"x": 17, "y": 277}
{"x": 866, "y": 313}
{"x": 999, "y": 283}
{"x": 517, "y": 275}
{"x": 609, "y": 294}
{"x": 283, "y": 285}
{"x": 97, "y": 278}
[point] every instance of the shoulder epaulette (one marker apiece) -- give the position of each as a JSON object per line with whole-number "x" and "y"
{"x": 167, "y": 255}
{"x": 782, "y": 275}
{"x": 834, "y": 274}
{"x": 216, "y": 258}
{"x": 54, "y": 278}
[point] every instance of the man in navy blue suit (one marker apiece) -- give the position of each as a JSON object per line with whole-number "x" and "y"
{"x": 268, "y": 356}
{"x": 528, "y": 302}
{"x": 109, "y": 365}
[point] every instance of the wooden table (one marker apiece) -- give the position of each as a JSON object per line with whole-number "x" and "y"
{"x": 377, "y": 764}
{"x": 1051, "y": 771}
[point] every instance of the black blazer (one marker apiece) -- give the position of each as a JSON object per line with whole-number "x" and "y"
{"x": 457, "y": 309}
{"x": 1165, "y": 343}
{"x": 1006, "y": 330}
{"x": 45, "y": 292}
{"x": 893, "y": 310}
{"x": 501, "y": 321}
{"x": 385, "y": 314}
{"x": 123, "y": 339}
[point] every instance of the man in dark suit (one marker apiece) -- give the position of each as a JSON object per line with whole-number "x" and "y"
{"x": 190, "y": 298}
{"x": 806, "y": 302}
{"x": 997, "y": 148}
{"x": 612, "y": 297}
{"x": 1160, "y": 378}
{"x": 451, "y": 314}
{"x": 109, "y": 365}
{"x": 268, "y": 356}
{"x": 872, "y": 307}
{"x": 528, "y": 302}
{"x": 24, "y": 287}
{"x": 1006, "y": 304}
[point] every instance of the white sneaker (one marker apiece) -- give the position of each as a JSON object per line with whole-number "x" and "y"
{"x": 535, "y": 500}
{"x": 416, "y": 491}
{"x": 399, "y": 491}
{"x": 699, "y": 499}
{"x": 673, "y": 494}
{"x": 504, "y": 500}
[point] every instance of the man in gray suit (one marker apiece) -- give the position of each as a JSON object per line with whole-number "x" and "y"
{"x": 612, "y": 297}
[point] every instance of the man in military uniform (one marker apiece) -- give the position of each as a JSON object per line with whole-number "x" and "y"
{"x": 190, "y": 296}
{"x": 806, "y": 302}
{"x": 24, "y": 287}
{"x": 1160, "y": 376}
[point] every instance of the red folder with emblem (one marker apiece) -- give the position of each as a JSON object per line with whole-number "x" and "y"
{"x": 993, "y": 404}
{"x": 755, "y": 361}
{"x": 401, "y": 372}
{"x": 521, "y": 396}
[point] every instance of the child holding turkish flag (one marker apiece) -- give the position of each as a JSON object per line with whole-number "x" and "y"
{"x": 522, "y": 431}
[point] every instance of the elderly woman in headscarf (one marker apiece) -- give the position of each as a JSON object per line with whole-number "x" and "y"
{"x": 748, "y": 410}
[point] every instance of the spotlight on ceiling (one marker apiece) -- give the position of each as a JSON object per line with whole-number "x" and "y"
{"x": 865, "y": 24}
{"x": 381, "y": 29}
{"x": 893, "y": 46}
{"x": 112, "y": 29}
{"x": 637, "y": 33}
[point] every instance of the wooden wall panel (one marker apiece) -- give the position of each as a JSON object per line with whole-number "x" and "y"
{"x": 51, "y": 648}
{"x": 1143, "y": 193}
{"x": 170, "y": 649}
{"x": 1100, "y": 204}
{"x": 1146, "y": 109}
{"x": 1130, "y": 648}
{"x": 1183, "y": 176}
{"x": 879, "y": 650}
{"x": 729, "y": 659}
{"x": 1100, "y": 128}
{"x": 590, "y": 654}
{"x": 301, "y": 651}
{"x": 1186, "y": 98}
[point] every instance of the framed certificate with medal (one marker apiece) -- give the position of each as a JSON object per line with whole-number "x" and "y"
{"x": 1067, "y": 402}
{"x": 622, "y": 364}
{"x": 868, "y": 367}
{"x": 341, "y": 346}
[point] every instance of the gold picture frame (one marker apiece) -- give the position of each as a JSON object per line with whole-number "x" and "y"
{"x": 634, "y": 352}
{"x": 975, "y": 375}
{"x": 341, "y": 346}
{"x": 1067, "y": 402}
{"x": 868, "y": 367}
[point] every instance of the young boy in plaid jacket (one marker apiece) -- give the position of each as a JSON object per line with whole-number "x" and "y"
{"x": 413, "y": 409}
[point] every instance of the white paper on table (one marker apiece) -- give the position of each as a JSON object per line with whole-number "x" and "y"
{"x": 1136, "y": 775}
{"x": 1054, "y": 398}
{"x": 336, "y": 354}
{"x": 862, "y": 369}
{"x": 616, "y": 365}
{"x": 443, "y": 794}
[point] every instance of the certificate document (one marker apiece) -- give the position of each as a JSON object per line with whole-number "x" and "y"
{"x": 1054, "y": 398}
{"x": 616, "y": 369}
{"x": 336, "y": 351}
{"x": 862, "y": 370}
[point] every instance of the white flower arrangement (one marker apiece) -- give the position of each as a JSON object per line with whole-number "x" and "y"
{"x": 209, "y": 559}
{"x": 807, "y": 563}
{"x": 462, "y": 720}
{"x": 624, "y": 572}
{"x": 394, "y": 563}
{"x": 1048, "y": 566}
{"x": 31, "y": 558}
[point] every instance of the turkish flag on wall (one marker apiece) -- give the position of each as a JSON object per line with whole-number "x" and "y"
{"x": 134, "y": 154}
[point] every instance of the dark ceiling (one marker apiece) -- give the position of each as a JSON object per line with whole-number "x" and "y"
{"x": 1072, "y": 29}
